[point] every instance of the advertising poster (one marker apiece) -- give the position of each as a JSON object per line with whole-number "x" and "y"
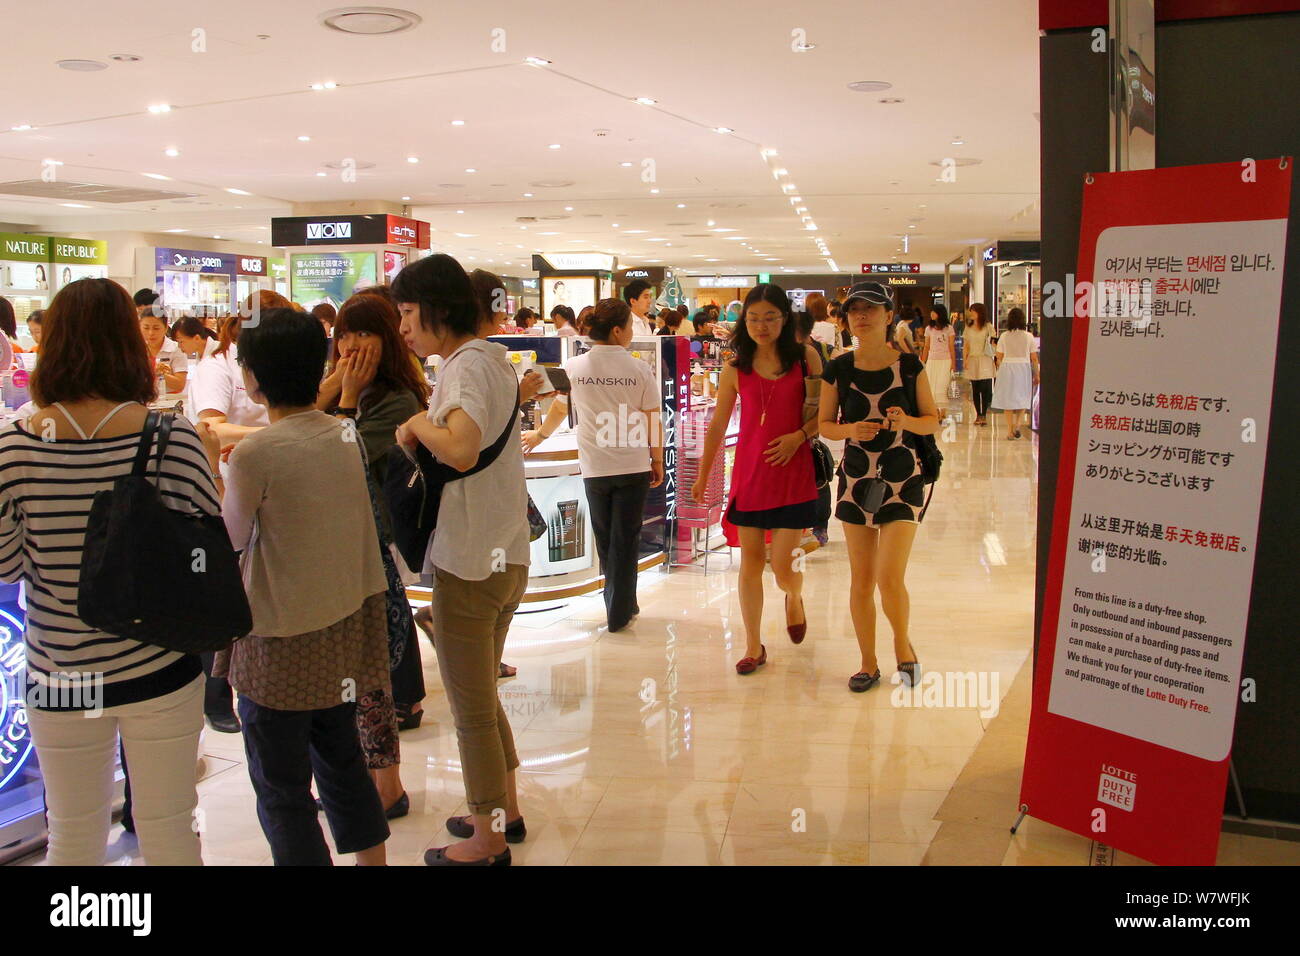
{"x": 568, "y": 544}
{"x": 332, "y": 277}
{"x": 393, "y": 263}
{"x": 574, "y": 291}
{"x": 1139, "y": 668}
{"x": 78, "y": 259}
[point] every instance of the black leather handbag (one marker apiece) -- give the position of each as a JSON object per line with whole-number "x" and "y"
{"x": 823, "y": 463}
{"x": 413, "y": 490}
{"x": 157, "y": 575}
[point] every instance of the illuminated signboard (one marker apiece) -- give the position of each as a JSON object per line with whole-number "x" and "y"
{"x": 15, "y": 740}
{"x": 890, "y": 268}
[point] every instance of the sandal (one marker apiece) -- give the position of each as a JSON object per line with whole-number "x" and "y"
{"x": 747, "y": 665}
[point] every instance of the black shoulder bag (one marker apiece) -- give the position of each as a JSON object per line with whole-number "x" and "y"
{"x": 413, "y": 490}
{"x": 823, "y": 460}
{"x": 157, "y": 575}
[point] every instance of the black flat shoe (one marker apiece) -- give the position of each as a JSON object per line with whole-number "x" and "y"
{"x": 461, "y": 828}
{"x": 399, "y": 809}
{"x": 223, "y": 723}
{"x": 407, "y": 719}
{"x": 438, "y": 857}
{"x": 862, "y": 681}
{"x": 911, "y": 670}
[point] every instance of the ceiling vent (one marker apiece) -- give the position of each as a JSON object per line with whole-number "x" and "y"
{"x": 552, "y": 184}
{"x": 341, "y": 164}
{"x": 369, "y": 21}
{"x": 92, "y": 192}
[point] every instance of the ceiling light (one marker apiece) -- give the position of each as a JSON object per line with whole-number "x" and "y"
{"x": 81, "y": 66}
{"x": 175, "y": 230}
{"x": 780, "y": 172}
{"x": 467, "y": 235}
{"x": 304, "y": 139}
{"x": 457, "y": 122}
{"x": 155, "y": 175}
{"x": 958, "y": 141}
{"x": 633, "y": 231}
{"x": 321, "y": 174}
{"x": 712, "y": 260}
{"x": 801, "y": 209}
{"x": 568, "y": 209}
{"x": 537, "y": 61}
{"x": 216, "y": 237}
{"x": 160, "y": 108}
{"x": 681, "y": 205}
{"x": 735, "y": 237}
{"x": 24, "y": 126}
{"x": 767, "y": 152}
{"x": 327, "y": 85}
{"x": 811, "y": 227}
{"x": 528, "y": 195}
{"x": 406, "y": 199}
{"x": 368, "y": 21}
{"x": 238, "y": 192}
{"x": 646, "y": 101}
{"x": 625, "y": 164}
{"x": 412, "y": 159}
{"x": 74, "y": 205}
{"x": 548, "y": 233}
{"x": 723, "y": 129}
{"x": 172, "y": 151}
{"x": 870, "y": 86}
{"x": 553, "y": 146}
{"x": 722, "y": 229}
{"x": 654, "y": 191}
{"x": 471, "y": 169}
{"x": 460, "y": 212}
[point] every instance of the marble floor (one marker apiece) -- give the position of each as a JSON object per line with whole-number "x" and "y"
{"x": 646, "y": 747}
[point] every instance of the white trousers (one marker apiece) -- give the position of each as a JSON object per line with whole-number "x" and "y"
{"x": 77, "y": 755}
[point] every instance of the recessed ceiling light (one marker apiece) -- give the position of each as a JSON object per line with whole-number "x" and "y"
{"x": 155, "y": 176}
{"x": 632, "y": 231}
{"x": 796, "y": 199}
{"x": 160, "y": 108}
{"x": 327, "y": 85}
{"x": 24, "y": 126}
{"x": 412, "y": 159}
{"x": 460, "y": 212}
{"x": 712, "y": 260}
{"x": 654, "y": 191}
{"x": 175, "y": 230}
{"x": 74, "y": 205}
{"x": 322, "y": 174}
{"x": 238, "y": 192}
{"x": 467, "y": 235}
{"x": 369, "y": 21}
{"x": 625, "y": 164}
{"x": 528, "y": 195}
{"x": 471, "y": 169}
{"x": 870, "y": 86}
{"x": 548, "y": 233}
{"x": 172, "y": 151}
{"x": 735, "y": 238}
{"x": 553, "y": 146}
{"x": 568, "y": 209}
{"x": 457, "y": 122}
{"x": 723, "y": 129}
{"x": 537, "y": 61}
{"x": 216, "y": 237}
{"x": 406, "y": 199}
{"x": 304, "y": 139}
{"x": 81, "y": 66}
{"x": 681, "y": 205}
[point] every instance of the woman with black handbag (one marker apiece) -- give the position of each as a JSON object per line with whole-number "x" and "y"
{"x": 87, "y": 687}
{"x": 881, "y": 496}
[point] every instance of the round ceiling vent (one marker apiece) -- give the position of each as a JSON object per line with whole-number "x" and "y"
{"x": 369, "y": 21}
{"x": 552, "y": 218}
{"x": 552, "y": 183}
{"x": 340, "y": 164}
{"x": 870, "y": 86}
{"x": 81, "y": 66}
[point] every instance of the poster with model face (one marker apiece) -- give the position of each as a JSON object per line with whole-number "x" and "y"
{"x": 27, "y": 275}
{"x": 393, "y": 263}
{"x": 574, "y": 291}
{"x": 332, "y": 277}
{"x": 180, "y": 288}
{"x": 69, "y": 272}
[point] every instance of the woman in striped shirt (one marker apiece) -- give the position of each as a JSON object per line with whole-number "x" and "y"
{"x": 86, "y": 687}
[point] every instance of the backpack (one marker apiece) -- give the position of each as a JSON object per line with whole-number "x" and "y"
{"x": 139, "y": 555}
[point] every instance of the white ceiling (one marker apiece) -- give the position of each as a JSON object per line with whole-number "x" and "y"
{"x": 862, "y": 168}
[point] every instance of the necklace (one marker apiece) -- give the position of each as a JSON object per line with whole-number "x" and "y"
{"x": 766, "y": 397}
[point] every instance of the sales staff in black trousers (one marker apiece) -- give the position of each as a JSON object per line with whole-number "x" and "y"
{"x": 620, "y": 448}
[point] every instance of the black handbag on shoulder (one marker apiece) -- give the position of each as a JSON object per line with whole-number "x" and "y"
{"x": 413, "y": 490}
{"x": 926, "y": 447}
{"x": 155, "y": 574}
{"x": 823, "y": 460}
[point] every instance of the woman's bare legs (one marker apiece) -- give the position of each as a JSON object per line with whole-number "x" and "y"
{"x": 785, "y": 544}
{"x": 893, "y": 549}
{"x": 862, "y": 543}
{"x": 753, "y": 558}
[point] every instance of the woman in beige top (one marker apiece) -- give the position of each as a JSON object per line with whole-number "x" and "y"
{"x": 296, "y": 504}
{"x": 978, "y": 360}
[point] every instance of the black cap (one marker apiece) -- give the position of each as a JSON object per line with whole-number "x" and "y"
{"x": 873, "y": 292}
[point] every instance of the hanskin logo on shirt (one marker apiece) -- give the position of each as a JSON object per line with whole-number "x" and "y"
{"x": 1117, "y": 787}
{"x": 329, "y": 230}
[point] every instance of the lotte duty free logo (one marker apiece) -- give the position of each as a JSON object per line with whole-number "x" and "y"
{"x": 1117, "y": 787}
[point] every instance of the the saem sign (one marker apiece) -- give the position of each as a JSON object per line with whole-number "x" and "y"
{"x": 318, "y": 231}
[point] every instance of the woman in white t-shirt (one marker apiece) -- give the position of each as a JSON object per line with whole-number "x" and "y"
{"x": 218, "y": 396}
{"x": 166, "y": 356}
{"x": 620, "y": 449}
{"x": 477, "y": 561}
{"x": 1017, "y": 371}
{"x": 939, "y": 352}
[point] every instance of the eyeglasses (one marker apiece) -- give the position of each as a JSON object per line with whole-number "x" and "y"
{"x": 752, "y": 321}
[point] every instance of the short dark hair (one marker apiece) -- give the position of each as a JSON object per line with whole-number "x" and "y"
{"x": 191, "y": 326}
{"x": 325, "y": 312}
{"x": 35, "y": 317}
{"x": 610, "y": 314}
{"x": 1016, "y": 319}
{"x": 285, "y": 351}
{"x": 488, "y": 287}
{"x": 941, "y": 310}
{"x": 93, "y": 347}
{"x": 145, "y": 297}
{"x": 683, "y": 310}
{"x": 564, "y": 312}
{"x": 805, "y": 321}
{"x": 8, "y": 321}
{"x": 443, "y": 292}
{"x": 634, "y": 289}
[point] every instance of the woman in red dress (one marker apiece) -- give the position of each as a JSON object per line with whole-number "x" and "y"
{"x": 773, "y": 489}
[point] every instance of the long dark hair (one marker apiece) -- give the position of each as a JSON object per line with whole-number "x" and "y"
{"x": 788, "y": 349}
{"x": 981, "y": 314}
{"x": 941, "y": 311}
{"x": 376, "y": 314}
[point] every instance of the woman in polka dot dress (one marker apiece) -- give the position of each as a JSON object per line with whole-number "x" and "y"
{"x": 875, "y": 423}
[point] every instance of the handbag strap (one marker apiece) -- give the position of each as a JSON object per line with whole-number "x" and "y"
{"x": 489, "y": 454}
{"x": 141, "y": 462}
{"x": 165, "y": 422}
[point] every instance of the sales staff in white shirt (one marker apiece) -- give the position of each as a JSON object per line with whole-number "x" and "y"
{"x": 620, "y": 448}
{"x": 219, "y": 397}
{"x": 166, "y": 355}
{"x": 640, "y": 297}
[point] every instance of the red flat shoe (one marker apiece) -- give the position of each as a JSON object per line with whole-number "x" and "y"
{"x": 797, "y": 631}
{"x": 747, "y": 665}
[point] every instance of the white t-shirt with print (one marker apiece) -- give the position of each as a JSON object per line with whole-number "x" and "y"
{"x": 610, "y": 389}
{"x": 218, "y": 383}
